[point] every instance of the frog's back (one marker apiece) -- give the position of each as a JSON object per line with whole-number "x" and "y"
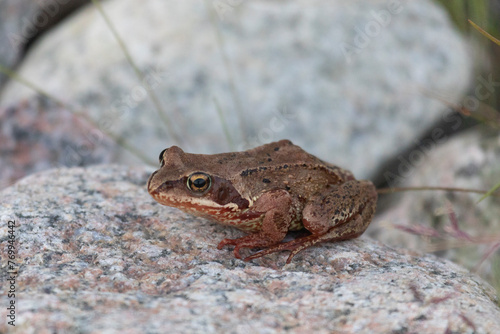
{"x": 279, "y": 153}
{"x": 284, "y": 165}
{"x": 285, "y": 152}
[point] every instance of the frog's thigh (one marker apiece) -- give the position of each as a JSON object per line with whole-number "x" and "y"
{"x": 351, "y": 203}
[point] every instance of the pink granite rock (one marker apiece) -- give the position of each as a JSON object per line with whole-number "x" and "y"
{"x": 38, "y": 134}
{"x": 94, "y": 253}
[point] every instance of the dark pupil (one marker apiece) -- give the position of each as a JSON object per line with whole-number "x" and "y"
{"x": 199, "y": 183}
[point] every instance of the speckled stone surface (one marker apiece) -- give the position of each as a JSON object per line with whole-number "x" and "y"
{"x": 471, "y": 161}
{"x": 97, "y": 255}
{"x": 342, "y": 79}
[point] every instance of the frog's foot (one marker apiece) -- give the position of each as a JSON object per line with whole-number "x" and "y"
{"x": 337, "y": 233}
{"x": 233, "y": 242}
{"x": 249, "y": 241}
{"x": 295, "y": 246}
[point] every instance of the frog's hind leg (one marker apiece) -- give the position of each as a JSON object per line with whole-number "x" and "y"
{"x": 337, "y": 233}
{"x": 343, "y": 213}
{"x": 276, "y": 204}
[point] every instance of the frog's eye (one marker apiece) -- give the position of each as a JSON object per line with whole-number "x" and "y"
{"x": 199, "y": 182}
{"x": 162, "y": 162}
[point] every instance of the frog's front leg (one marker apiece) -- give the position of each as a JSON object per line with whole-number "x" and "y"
{"x": 342, "y": 213}
{"x": 277, "y": 206}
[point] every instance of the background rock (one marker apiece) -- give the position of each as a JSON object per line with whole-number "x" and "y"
{"x": 99, "y": 255}
{"x": 469, "y": 161}
{"x": 343, "y": 80}
{"x": 38, "y": 134}
{"x": 11, "y": 35}
{"x": 24, "y": 20}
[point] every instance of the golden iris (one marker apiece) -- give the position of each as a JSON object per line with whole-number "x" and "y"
{"x": 199, "y": 182}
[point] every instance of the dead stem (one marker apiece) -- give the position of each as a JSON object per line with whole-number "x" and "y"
{"x": 401, "y": 189}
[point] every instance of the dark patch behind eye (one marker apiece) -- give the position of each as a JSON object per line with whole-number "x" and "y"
{"x": 223, "y": 192}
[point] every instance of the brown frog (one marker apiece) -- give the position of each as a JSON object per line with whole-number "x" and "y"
{"x": 266, "y": 191}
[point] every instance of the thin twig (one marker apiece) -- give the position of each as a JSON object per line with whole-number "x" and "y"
{"x": 401, "y": 189}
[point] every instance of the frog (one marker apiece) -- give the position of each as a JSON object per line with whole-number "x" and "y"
{"x": 266, "y": 191}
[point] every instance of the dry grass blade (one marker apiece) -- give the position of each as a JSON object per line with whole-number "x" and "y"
{"x": 225, "y": 127}
{"x": 487, "y": 254}
{"x": 465, "y": 190}
{"x": 485, "y": 33}
{"x": 230, "y": 71}
{"x": 450, "y": 244}
{"x": 490, "y": 192}
{"x": 454, "y": 229}
{"x": 484, "y": 113}
{"x": 433, "y": 95}
{"x": 119, "y": 140}
{"x": 421, "y": 230}
{"x": 140, "y": 75}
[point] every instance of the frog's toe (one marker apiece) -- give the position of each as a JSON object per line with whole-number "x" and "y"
{"x": 254, "y": 256}
{"x": 231, "y": 242}
{"x": 294, "y": 246}
{"x": 267, "y": 251}
{"x": 251, "y": 241}
{"x": 226, "y": 242}
{"x": 236, "y": 252}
